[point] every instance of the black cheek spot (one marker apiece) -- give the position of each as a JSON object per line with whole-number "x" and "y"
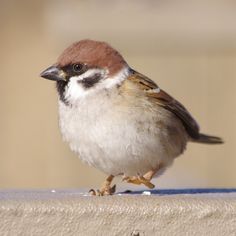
{"x": 90, "y": 81}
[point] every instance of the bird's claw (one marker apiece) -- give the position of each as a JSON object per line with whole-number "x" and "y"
{"x": 139, "y": 180}
{"x": 104, "y": 191}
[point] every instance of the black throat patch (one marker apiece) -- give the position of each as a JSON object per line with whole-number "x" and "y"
{"x": 61, "y": 86}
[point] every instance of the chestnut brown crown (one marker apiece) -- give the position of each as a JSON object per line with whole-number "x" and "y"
{"x": 93, "y": 54}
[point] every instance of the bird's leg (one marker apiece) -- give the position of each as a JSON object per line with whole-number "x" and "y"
{"x": 106, "y": 188}
{"x": 145, "y": 179}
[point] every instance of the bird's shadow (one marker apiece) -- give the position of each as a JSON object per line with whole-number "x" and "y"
{"x": 180, "y": 191}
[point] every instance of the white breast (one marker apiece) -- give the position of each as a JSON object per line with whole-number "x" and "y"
{"x": 121, "y": 137}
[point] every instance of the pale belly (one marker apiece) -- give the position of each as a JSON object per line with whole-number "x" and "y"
{"x": 119, "y": 143}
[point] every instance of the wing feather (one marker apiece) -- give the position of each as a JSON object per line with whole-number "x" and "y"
{"x": 166, "y": 101}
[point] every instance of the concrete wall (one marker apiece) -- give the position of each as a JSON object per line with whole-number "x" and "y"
{"x": 72, "y": 213}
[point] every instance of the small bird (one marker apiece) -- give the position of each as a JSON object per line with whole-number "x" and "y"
{"x": 116, "y": 119}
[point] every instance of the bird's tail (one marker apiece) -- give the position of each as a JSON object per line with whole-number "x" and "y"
{"x": 208, "y": 139}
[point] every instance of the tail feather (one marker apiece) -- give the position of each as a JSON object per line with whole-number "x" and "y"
{"x": 208, "y": 139}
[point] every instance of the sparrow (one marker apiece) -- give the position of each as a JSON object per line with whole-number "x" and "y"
{"x": 117, "y": 119}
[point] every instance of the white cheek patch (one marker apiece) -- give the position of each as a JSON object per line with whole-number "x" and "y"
{"x": 75, "y": 89}
{"x": 116, "y": 79}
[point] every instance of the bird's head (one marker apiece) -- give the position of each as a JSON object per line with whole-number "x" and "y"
{"x": 86, "y": 67}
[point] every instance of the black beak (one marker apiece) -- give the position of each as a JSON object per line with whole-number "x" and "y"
{"x": 53, "y": 73}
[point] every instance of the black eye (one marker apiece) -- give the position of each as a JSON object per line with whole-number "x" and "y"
{"x": 77, "y": 67}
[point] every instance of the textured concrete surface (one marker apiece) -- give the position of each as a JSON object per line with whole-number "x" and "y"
{"x": 165, "y": 212}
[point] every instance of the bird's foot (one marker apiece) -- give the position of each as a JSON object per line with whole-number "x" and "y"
{"x": 106, "y": 188}
{"x": 104, "y": 191}
{"x": 138, "y": 180}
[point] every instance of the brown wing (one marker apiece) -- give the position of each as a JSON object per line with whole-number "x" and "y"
{"x": 165, "y": 100}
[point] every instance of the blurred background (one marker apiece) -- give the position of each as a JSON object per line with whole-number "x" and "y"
{"x": 187, "y": 47}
